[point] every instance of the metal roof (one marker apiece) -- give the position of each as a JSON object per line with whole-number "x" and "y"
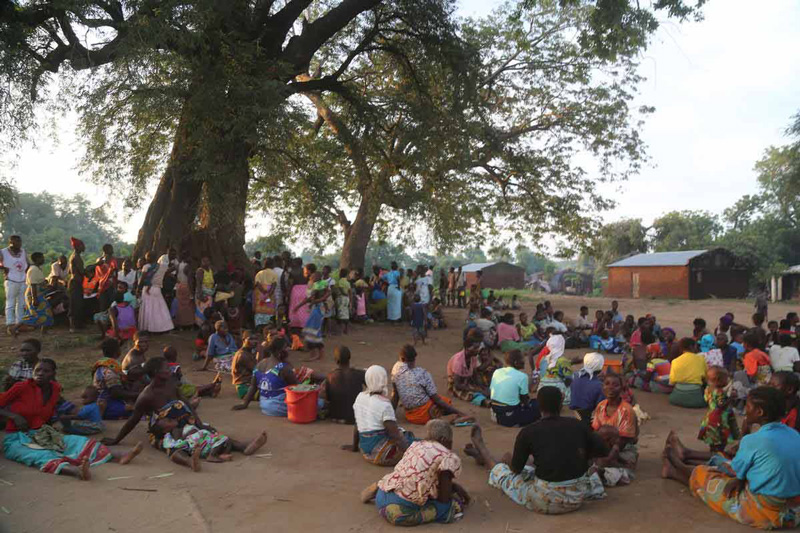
{"x": 792, "y": 270}
{"x": 474, "y": 267}
{"x": 659, "y": 259}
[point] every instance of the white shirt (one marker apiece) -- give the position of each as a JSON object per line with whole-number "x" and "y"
{"x": 423, "y": 289}
{"x": 583, "y": 322}
{"x": 129, "y": 278}
{"x": 58, "y": 272}
{"x": 371, "y": 411}
{"x": 182, "y": 276}
{"x": 783, "y": 357}
{"x": 17, "y": 266}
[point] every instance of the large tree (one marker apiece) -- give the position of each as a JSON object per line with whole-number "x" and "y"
{"x": 192, "y": 92}
{"x": 617, "y": 240}
{"x": 685, "y": 230}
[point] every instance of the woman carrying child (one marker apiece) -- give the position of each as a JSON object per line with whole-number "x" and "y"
{"x": 318, "y": 293}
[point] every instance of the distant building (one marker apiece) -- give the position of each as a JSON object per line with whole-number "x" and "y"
{"x": 497, "y": 275}
{"x": 689, "y": 275}
{"x": 786, "y": 286}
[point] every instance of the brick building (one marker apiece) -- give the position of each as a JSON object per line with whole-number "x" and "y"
{"x": 689, "y": 275}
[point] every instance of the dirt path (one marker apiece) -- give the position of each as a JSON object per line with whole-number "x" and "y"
{"x": 309, "y": 483}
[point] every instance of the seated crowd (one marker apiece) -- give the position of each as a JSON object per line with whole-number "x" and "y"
{"x": 248, "y": 329}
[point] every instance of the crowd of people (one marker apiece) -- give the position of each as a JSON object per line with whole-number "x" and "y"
{"x": 516, "y": 368}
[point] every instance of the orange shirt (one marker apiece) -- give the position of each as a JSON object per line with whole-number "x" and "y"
{"x": 754, "y": 359}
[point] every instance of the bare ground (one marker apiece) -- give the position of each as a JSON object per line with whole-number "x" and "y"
{"x": 309, "y": 483}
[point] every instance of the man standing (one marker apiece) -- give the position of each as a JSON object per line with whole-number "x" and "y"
{"x": 452, "y": 282}
{"x": 14, "y": 262}
{"x": 461, "y": 288}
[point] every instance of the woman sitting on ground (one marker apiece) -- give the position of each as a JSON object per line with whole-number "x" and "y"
{"x": 269, "y": 384}
{"x": 619, "y": 414}
{"x": 687, "y": 374}
{"x": 221, "y": 348}
{"x": 510, "y": 401}
{"x": 561, "y": 448}
{"x": 28, "y": 406}
{"x": 586, "y": 389}
{"x": 509, "y": 338}
{"x": 760, "y": 487}
{"x": 376, "y": 435}
{"x": 556, "y": 370}
{"x": 462, "y": 379}
{"x": 414, "y": 389}
{"x": 654, "y": 377}
{"x": 422, "y": 489}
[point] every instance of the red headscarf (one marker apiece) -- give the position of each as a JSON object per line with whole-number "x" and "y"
{"x": 75, "y": 242}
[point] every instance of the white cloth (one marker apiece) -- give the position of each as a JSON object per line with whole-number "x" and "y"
{"x": 15, "y": 301}
{"x": 583, "y": 322}
{"x": 278, "y": 294}
{"x": 58, "y": 272}
{"x": 377, "y": 380}
{"x": 17, "y": 266}
{"x": 182, "y": 276}
{"x": 783, "y": 357}
{"x": 423, "y": 289}
{"x": 593, "y": 362}
{"x": 371, "y": 411}
{"x": 556, "y": 344}
{"x": 129, "y": 278}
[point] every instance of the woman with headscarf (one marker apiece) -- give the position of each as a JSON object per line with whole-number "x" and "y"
{"x": 556, "y": 370}
{"x": 154, "y": 314}
{"x": 75, "y": 284}
{"x": 376, "y": 435}
{"x": 586, "y": 390}
{"x": 394, "y": 307}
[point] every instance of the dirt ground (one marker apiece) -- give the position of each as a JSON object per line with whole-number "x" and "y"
{"x": 308, "y": 483}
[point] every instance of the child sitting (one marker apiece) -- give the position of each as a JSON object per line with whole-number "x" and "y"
{"x": 132, "y": 363}
{"x": 22, "y": 369}
{"x": 186, "y": 444}
{"x": 437, "y": 314}
{"x": 718, "y": 428}
{"x": 89, "y": 419}
{"x": 184, "y": 385}
{"x": 122, "y": 318}
{"x": 613, "y": 469}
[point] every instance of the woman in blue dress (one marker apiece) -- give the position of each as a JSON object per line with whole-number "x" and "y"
{"x": 394, "y": 309}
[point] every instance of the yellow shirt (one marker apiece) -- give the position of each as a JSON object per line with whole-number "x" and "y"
{"x": 344, "y": 286}
{"x": 267, "y": 277}
{"x": 688, "y": 368}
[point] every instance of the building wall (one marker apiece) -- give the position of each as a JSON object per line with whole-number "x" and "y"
{"x": 719, "y": 283}
{"x": 500, "y": 276}
{"x": 654, "y": 282}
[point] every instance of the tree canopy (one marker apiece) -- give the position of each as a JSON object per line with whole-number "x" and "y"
{"x": 462, "y": 126}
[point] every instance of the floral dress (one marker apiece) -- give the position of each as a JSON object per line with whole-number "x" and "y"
{"x": 718, "y": 428}
{"x": 193, "y": 437}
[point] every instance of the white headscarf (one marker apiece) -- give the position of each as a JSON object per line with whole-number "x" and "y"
{"x": 556, "y": 345}
{"x": 592, "y": 363}
{"x": 377, "y": 380}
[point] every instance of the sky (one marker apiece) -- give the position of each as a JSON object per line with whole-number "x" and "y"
{"x": 724, "y": 90}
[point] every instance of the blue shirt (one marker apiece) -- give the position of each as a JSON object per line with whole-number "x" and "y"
{"x": 739, "y": 348}
{"x": 221, "y": 345}
{"x": 90, "y": 412}
{"x": 729, "y": 356}
{"x": 769, "y": 460}
{"x": 508, "y": 384}
{"x": 417, "y": 315}
{"x": 585, "y": 392}
{"x": 378, "y": 294}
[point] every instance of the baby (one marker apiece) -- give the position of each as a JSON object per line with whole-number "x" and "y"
{"x": 186, "y": 445}
{"x": 613, "y": 469}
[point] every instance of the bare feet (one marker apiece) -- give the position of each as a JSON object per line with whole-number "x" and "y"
{"x": 128, "y": 457}
{"x": 674, "y": 443}
{"x": 215, "y": 459}
{"x": 84, "y": 473}
{"x": 473, "y": 452}
{"x": 196, "y": 458}
{"x": 226, "y": 457}
{"x": 254, "y": 446}
{"x": 368, "y": 494}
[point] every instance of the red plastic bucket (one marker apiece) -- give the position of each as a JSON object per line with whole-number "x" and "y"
{"x": 301, "y": 405}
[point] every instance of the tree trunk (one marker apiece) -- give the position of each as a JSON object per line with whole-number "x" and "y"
{"x": 358, "y": 233}
{"x": 200, "y": 205}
